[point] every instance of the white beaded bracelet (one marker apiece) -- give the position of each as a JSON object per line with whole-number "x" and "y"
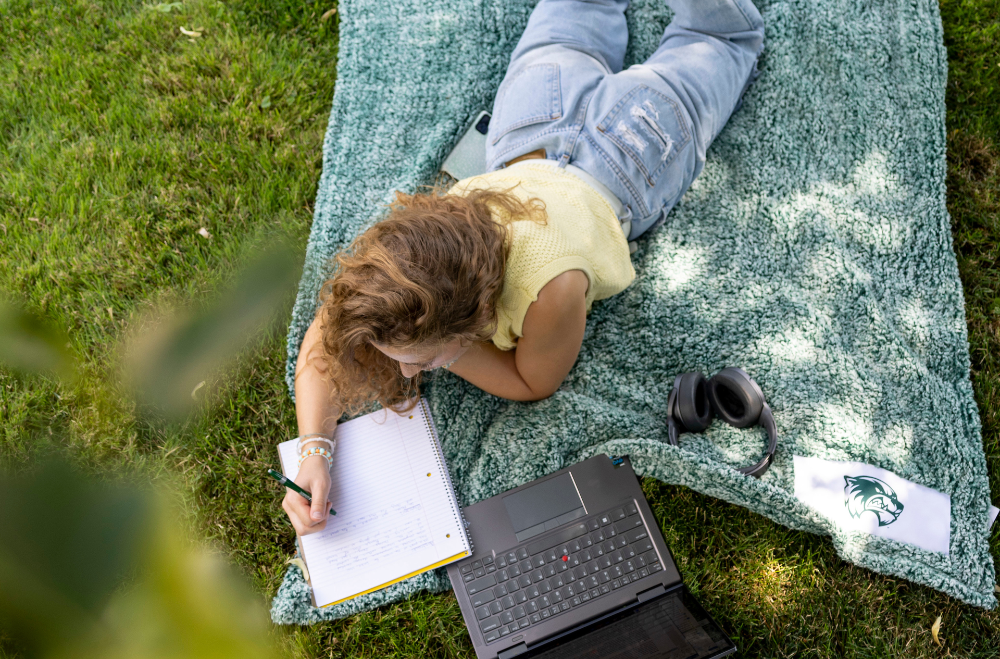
{"x": 322, "y": 452}
{"x": 330, "y": 443}
{"x": 314, "y": 437}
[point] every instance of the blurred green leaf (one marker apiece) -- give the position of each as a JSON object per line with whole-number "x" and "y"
{"x": 96, "y": 570}
{"x": 30, "y": 345}
{"x": 191, "y": 604}
{"x": 66, "y": 543}
{"x": 171, "y": 362}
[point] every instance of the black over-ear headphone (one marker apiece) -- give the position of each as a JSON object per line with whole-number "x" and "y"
{"x": 731, "y": 395}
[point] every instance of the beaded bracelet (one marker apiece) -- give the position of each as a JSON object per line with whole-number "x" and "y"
{"x": 316, "y": 451}
{"x": 315, "y": 437}
{"x": 331, "y": 444}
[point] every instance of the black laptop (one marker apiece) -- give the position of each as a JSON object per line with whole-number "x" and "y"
{"x": 574, "y": 565}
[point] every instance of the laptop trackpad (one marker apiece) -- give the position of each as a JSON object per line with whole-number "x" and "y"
{"x": 544, "y": 506}
{"x": 673, "y": 626}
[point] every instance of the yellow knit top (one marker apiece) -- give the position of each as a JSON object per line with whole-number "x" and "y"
{"x": 582, "y": 232}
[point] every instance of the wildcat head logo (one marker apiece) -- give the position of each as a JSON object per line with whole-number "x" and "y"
{"x": 869, "y": 494}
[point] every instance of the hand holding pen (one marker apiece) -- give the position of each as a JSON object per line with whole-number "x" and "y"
{"x": 307, "y": 508}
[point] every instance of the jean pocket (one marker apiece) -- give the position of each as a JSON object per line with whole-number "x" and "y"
{"x": 649, "y": 128}
{"x": 530, "y": 96}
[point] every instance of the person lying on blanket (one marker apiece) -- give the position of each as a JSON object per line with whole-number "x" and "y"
{"x": 494, "y": 279}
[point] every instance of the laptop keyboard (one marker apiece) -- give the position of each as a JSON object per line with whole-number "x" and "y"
{"x": 543, "y": 578}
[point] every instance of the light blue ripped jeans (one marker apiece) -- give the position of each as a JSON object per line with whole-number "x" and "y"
{"x": 642, "y": 132}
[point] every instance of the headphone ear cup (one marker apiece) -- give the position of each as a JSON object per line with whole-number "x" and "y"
{"x": 691, "y": 407}
{"x": 735, "y": 397}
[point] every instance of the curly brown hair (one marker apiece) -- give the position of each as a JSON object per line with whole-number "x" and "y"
{"x": 430, "y": 272}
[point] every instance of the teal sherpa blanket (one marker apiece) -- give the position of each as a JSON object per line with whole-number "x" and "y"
{"x": 814, "y": 251}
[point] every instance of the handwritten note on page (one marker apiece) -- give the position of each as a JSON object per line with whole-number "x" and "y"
{"x": 397, "y": 514}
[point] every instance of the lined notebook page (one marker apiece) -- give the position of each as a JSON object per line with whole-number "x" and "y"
{"x": 397, "y": 514}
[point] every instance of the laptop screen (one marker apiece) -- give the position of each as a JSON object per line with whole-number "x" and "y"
{"x": 672, "y": 626}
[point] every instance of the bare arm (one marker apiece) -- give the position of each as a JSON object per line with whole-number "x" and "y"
{"x": 313, "y": 390}
{"x": 316, "y": 413}
{"x": 552, "y": 335}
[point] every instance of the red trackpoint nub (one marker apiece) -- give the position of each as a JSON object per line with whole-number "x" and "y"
{"x": 565, "y": 558}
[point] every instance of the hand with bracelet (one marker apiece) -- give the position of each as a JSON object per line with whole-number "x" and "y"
{"x": 315, "y": 456}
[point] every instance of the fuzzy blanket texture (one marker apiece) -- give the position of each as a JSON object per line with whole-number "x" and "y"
{"x": 814, "y": 251}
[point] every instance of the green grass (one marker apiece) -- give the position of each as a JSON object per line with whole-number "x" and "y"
{"x": 120, "y": 138}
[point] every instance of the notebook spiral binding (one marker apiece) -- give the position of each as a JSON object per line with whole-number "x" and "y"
{"x": 463, "y": 525}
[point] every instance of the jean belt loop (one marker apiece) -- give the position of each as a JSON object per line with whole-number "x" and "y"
{"x": 563, "y": 161}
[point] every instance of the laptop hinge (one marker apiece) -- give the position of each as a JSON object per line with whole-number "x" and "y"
{"x": 520, "y": 648}
{"x": 647, "y": 595}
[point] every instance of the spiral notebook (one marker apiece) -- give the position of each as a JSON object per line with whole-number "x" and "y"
{"x": 397, "y": 514}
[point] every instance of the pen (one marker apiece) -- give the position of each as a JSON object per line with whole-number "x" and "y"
{"x": 292, "y": 486}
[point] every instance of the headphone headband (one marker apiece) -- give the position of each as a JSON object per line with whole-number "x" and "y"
{"x": 683, "y": 402}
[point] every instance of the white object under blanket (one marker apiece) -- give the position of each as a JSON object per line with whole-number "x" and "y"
{"x": 862, "y": 497}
